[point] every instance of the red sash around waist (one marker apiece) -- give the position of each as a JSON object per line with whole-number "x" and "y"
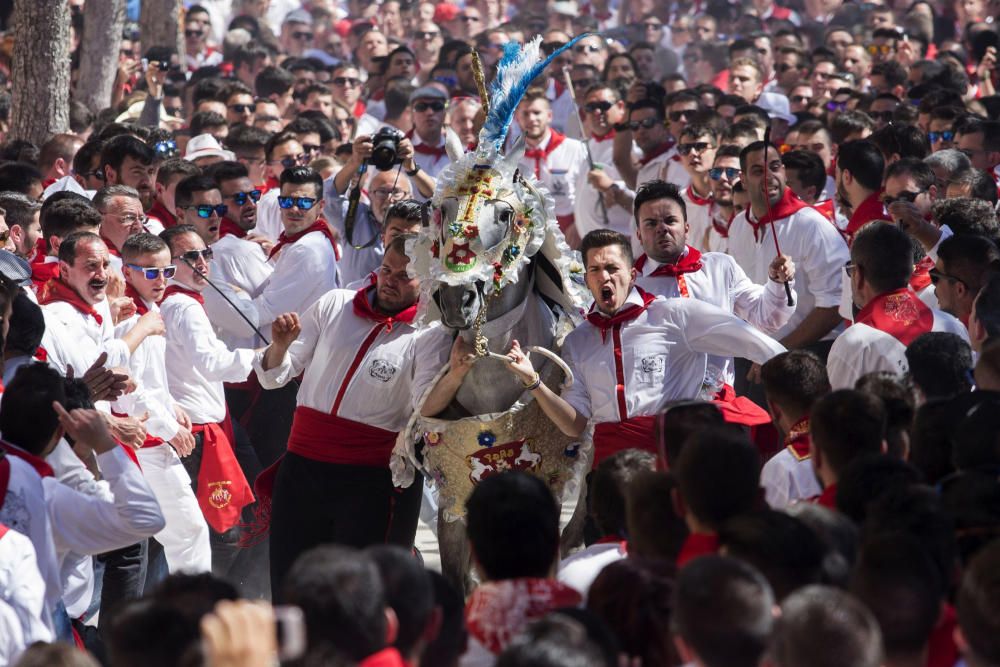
{"x": 633, "y": 433}
{"x": 324, "y": 437}
{"x": 223, "y": 490}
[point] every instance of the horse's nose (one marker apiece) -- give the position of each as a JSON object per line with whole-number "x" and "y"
{"x": 469, "y": 299}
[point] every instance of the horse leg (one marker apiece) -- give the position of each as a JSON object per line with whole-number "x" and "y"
{"x": 572, "y": 534}
{"x": 456, "y": 558}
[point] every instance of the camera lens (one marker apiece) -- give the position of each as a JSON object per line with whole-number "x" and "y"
{"x": 386, "y": 145}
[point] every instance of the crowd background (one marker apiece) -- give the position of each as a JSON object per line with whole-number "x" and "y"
{"x": 879, "y": 112}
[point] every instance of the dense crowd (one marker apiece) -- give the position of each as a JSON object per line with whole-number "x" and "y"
{"x": 777, "y": 231}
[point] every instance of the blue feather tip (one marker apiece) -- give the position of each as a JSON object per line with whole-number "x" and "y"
{"x": 513, "y": 78}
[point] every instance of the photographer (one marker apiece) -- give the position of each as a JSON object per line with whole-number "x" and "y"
{"x": 362, "y": 152}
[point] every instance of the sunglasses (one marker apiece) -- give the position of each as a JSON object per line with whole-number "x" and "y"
{"x": 833, "y": 105}
{"x": 128, "y": 53}
{"x": 935, "y": 137}
{"x": 241, "y": 108}
{"x": 684, "y": 114}
{"x": 905, "y": 195}
{"x": 876, "y": 49}
{"x": 192, "y": 256}
{"x": 586, "y": 48}
{"x": 549, "y": 47}
{"x": 166, "y": 149}
{"x": 346, "y": 81}
{"x": 290, "y": 161}
{"x": 153, "y": 272}
{"x": 583, "y": 84}
{"x": 205, "y": 210}
{"x": 646, "y": 123}
{"x": 937, "y": 276}
{"x": 430, "y": 34}
{"x": 469, "y": 19}
{"x": 784, "y": 67}
{"x": 436, "y": 107}
{"x": 302, "y": 203}
{"x": 193, "y": 33}
{"x": 174, "y": 111}
{"x": 800, "y": 99}
{"x": 652, "y": 26}
{"x": 591, "y": 107}
{"x": 240, "y": 198}
{"x": 698, "y": 147}
{"x": 302, "y": 35}
{"x": 731, "y": 173}
{"x": 309, "y": 149}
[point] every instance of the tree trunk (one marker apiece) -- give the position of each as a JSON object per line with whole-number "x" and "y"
{"x": 159, "y": 22}
{"x": 40, "y": 77}
{"x": 102, "y": 35}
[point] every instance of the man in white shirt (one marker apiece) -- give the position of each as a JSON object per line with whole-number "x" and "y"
{"x": 648, "y": 129}
{"x": 283, "y": 151}
{"x": 803, "y": 233}
{"x": 356, "y": 353}
{"x": 121, "y": 209}
{"x": 428, "y": 106}
{"x": 636, "y": 353}
{"x": 197, "y": 365}
{"x": 60, "y": 218}
{"x": 696, "y": 146}
{"x": 891, "y": 314}
{"x": 793, "y": 381}
{"x": 723, "y": 176}
{"x": 551, "y": 157}
{"x": 147, "y": 267}
{"x": 672, "y": 268}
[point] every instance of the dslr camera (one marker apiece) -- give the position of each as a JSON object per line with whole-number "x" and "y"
{"x": 385, "y": 148}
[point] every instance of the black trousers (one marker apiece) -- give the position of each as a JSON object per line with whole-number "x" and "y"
{"x": 267, "y": 418}
{"x": 124, "y": 579}
{"x": 318, "y": 503}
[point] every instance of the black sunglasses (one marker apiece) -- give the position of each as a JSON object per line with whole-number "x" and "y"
{"x": 302, "y": 35}
{"x": 698, "y": 147}
{"x": 683, "y": 113}
{"x": 905, "y": 195}
{"x": 436, "y": 107}
{"x": 346, "y": 81}
{"x": 601, "y": 106}
{"x": 647, "y": 123}
{"x": 241, "y": 108}
{"x": 191, "y": 256}
{"x": 193, "y": 33}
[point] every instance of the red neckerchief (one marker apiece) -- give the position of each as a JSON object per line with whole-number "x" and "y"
{"x": 318, "y": 226}
{"x": 272, "y": 183}
{"x": 899, "y": 313}
{"x": 160, "y": 212}
{"x": 42, "y": 273}
{"x": 497, "y": 611}
{"x": 140, "y": 304}
{"x": 56, "y": 290}
{"x": 695, "y": 199}
{"x": 426, "y": 149}
{"x": 227, "y": 227}
{"x": 362, "y": 308}
{"x": 626, "y": 314}
{"x": 921, "y": 277}
{"x": 41, "y": 250}
{"x": 387, "y": 657}
{"x": 610, "y": 134}
{"x": 38, "y": 463}
{"x": 539, "y": 154}
{"x": 797, "y": 439}
{"x": 870, "y": 209}
{"x": 655, "y": 153}
{"x": 112, "y": 250}
{"x": 689, "y": 262}
{"x": 359, "y": 109}
{"x": 786, "y": 206}
{"x": 180, "y": 289}
{"x": 559, "y": 87}
{"x": 695, "y": 545}
{"x": 828, "y": 498}
{"x": 826, "y": 208}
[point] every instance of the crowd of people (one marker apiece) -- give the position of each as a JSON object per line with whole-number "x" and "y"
{"x": 784, "y": 373}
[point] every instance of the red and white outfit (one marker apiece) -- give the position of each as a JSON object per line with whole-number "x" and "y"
{"x": 870, "y": 209}
{"x": 159, "y": 214}
{"x": 881, "y": 332}
{"x": 717, "y": 279}
{"x": 197, "y": 365}
{"x": 699, "y": 215}
{"x": 629, "y": 366}
{"x": 663, "y": 164}
{"x": 185, "y": 536}
{"x": 497, "y": 612}
{"x": 76, "y": 333}
{"x": 239, "y": 268}
{"x": 563, "y": 107}
{"x": 557, "y": 162}
{"x": 431, "y": 159}
{"x": 816, "y": 247}
{"x": 788, "y": 476}
{"x": 22, "y": 595}
{"x": 587, "y": 208}
{"x": 718, "y": 231}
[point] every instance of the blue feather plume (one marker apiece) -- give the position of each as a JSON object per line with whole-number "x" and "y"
{"x": 516, "y": 70}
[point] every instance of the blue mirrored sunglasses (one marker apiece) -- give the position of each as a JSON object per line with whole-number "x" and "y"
{"x": 241, "y": 197}
{"x": 715, "y": 173}
{"x": 153, "y": 272}
{"x": 302, "y": 203}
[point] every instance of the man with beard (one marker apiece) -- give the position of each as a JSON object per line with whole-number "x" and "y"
{"x": 21, "y": 214}
{"x": 724, "y": 174}
{"x": 860, "y": 168}
{"x": 125, "y": 160}
{"x": 604, "y": 108}
{"x": 637, "y": 352}
{"x": 965, "y": 264}
{"x": 803, "y": 233}
{"x": 355, "y": 352}
{"x": 168, "y": 429}
{"x": 551, "y": 157}
{"x": 672, "y": 268}
{"x": 891, "y": 315}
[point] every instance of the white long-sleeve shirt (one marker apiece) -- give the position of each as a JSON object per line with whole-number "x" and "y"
{"x": 240, "y": 269}
{"x": 816, "y": 247}
{"x": 336, "y": 350}
{"x": 197, "y": 361}
{"x": 661, "y": 357}
{"x": 586, "y": 208}
{"x": 22, "y": 590}
{"x": 76, "y": 339}
{"x": 303, "y": 272}
{"x": 721, "y": 282}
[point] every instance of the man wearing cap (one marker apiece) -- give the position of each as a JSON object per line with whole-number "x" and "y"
{"x": 205, "y": 150}
{"x": 297, "y": 33}
{"x": 428, "y": 104}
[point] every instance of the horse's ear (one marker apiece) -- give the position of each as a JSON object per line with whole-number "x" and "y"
{"x": 514, "y": 154}
{"x": 453, "y": 145}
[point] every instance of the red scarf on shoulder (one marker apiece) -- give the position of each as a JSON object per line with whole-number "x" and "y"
{"x": 899, "y": 313}
{"x": 179, "y": 289}
{"x": 56, "y": 290}
{"x": 318, "y": 226}
{"x": 788, "y": 205}
{"x": 541, "y": 154}
{"x": 689, "y": 262}
{"x": 626, "y": 314}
